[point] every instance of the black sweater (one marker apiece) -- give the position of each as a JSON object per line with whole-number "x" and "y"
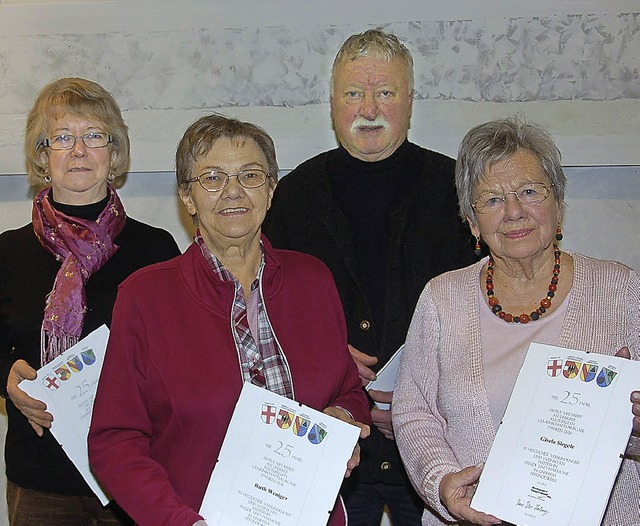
{"x": 425, "y": 237}
{"x": 27, "y": 273}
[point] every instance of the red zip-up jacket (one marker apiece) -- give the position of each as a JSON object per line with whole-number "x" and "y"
{"x": 171, "y": 375}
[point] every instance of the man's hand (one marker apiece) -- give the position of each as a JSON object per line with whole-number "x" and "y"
{"x": 341, "y": 414}
{"x": 382, "y": 417}
{"x": 456, "y": 490}
{"x": 34, "y": 410}
{"x": 635, "y": 400}
{"x": 364, "y": 362}
{"x": 635, "y": 395}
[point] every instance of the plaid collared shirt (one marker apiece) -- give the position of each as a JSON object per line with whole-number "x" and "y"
{"x": 262, "y": 362}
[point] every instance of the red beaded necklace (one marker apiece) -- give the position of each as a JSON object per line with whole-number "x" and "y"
{"x": 496, "y": 308}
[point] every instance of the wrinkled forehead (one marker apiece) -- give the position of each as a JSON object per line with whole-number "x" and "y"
{"x": 373, "y": 64}
{"x": 228, "y": 150}
{"x": 211, "y": 146}
{"x": 511, "y": 173}
{"x": 372, "y": 69}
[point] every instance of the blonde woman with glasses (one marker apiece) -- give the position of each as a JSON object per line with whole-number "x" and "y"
{"x": 58, "y": 280}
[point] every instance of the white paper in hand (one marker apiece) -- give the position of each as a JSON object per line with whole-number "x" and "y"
{"x": 386, "y": 377}
{"x": 281, "y": 463}
{"x": 558, "y": 449}
{"x": 68, "y": 386}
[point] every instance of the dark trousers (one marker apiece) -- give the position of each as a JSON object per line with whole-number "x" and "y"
{"x": 365, "y": 504}
{"x": 34, "y": 508}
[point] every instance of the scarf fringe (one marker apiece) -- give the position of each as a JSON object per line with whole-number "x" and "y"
{"x": 52, "y": 346}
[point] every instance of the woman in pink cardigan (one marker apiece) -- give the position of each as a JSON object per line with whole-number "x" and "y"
{"x": 472, "y": 327}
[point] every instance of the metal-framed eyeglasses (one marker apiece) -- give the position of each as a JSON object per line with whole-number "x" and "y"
{"x": 214, "y": 181}
{"x": 528, "y": 194}
{"x": 65, "y": 141}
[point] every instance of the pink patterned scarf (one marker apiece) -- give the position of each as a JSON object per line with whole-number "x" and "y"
{"x": 83, "y": 247}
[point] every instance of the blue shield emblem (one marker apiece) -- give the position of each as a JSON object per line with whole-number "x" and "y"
{"x": 88, "y": 357}
{"x": 605, "y": 377}
{"x": 317, "y": 434}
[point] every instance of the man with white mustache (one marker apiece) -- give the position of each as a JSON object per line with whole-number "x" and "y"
{"x": 381, "y": 212}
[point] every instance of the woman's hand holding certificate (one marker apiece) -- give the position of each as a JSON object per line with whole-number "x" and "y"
{"x": 281, "y": 462}
{"x": 562, "y": 439}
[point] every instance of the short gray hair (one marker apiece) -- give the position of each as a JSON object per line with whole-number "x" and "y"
{"x": 494, "y": 141}
{"x": 374, "y": 43}
{"x": 200, "y": 136}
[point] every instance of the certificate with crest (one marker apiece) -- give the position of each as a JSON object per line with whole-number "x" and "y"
{"x": 68, "y": 386}
{"x": 559, "y": 447}
{"x": 281, "y": 463}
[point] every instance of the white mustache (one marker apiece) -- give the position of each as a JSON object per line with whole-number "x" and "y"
{"x": 361, "y": 122}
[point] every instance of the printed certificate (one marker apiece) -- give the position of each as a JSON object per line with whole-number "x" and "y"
{"x": 68, "y": 386}
{"x": 281, "y": 463}
{"x": 560, "y": 444}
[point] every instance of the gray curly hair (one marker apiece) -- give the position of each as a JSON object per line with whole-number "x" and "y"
{"x": 497, "y": 140}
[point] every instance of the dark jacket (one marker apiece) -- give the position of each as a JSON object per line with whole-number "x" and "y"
{"x": 427, "y": 238}
{"x": 27, "y": 273}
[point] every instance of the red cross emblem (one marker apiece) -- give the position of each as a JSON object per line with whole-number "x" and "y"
{"x": 554, "y": 367}
{"x": 51, "y": 382}
{"x": 268, "y": 413}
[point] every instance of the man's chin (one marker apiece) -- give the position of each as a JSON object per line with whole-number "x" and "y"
{"x": 371, "y": 153}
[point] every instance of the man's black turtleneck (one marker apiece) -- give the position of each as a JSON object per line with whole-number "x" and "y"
{"x": 333, "y": 207}
{"x": 367, "y": 193}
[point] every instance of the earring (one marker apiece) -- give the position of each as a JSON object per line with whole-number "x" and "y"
{"x": 478, "y": 249}
{"x": 111, "y": 177}
{"x": 47, "y": 179}
{"x": 559, "y": 235}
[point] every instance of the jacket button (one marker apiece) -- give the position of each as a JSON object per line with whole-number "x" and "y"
{"x": 385, "y": 466}
{"x": 365, "y": 325}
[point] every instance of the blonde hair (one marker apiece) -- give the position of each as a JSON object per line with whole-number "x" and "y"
{"x": 79, "y": 98}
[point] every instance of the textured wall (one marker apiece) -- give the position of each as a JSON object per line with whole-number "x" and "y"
{"x": 168, "y": 67}
{"x": 562, "y": 57}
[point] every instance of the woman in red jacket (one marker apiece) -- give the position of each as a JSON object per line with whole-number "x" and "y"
{"x": 187, "y": 334}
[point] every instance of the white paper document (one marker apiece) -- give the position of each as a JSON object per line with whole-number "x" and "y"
{"x": 68, "y": 386}
{"x": 560, "y": 444}
{"x": 281, "y": 463}
{"x": 386, "y": 377}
